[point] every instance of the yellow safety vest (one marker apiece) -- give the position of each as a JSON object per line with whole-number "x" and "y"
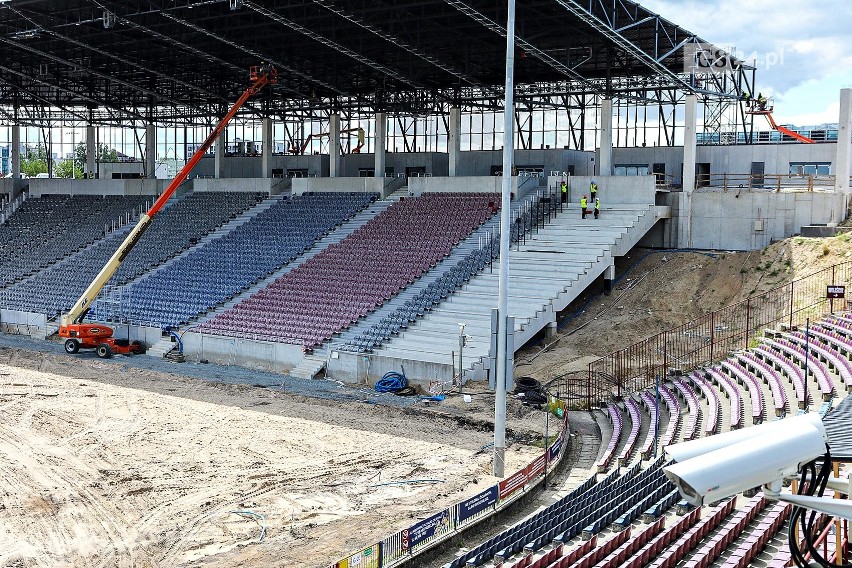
{"x": 583, "y": 203}
{"x": 593, "y": 187}
{"x": 564, "y": 188}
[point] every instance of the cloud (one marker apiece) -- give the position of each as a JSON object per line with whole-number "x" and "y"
{"x": 795, "y": 44}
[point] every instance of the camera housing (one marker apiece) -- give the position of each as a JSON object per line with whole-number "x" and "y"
{"x": 733, "y": 462}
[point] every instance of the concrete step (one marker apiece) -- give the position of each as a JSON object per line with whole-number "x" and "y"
{"x": 309, "y": 367}
{"x": 163, "y": 346}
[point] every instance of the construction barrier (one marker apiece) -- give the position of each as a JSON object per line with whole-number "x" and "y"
{"x": 436, "y": 528}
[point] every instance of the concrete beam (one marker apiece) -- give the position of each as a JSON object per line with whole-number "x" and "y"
{"x": 454, "y": 141}
{"x": 605, "y": 157}
{"x": 844, "y": 143}
{"x": 334, "y": 145}
{"x": 381, "y": 141}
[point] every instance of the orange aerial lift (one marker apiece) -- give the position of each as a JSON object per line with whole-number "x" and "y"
{"x": 296, "y": 149}
{"x": 765, "y": 108}
{"x": 100, "y": 337}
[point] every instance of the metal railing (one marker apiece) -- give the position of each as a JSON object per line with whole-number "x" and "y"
{"x": 771, "y": 182}
{"x": 706, "y": 340}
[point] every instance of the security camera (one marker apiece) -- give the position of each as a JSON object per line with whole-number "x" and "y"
{"x": 742, "y": 460}
{"x": 686, "y": 450}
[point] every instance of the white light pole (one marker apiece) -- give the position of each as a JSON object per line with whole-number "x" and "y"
{"x": 503, "y": 300}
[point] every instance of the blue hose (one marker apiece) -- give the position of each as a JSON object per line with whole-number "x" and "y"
{"x": 391, "y": 382}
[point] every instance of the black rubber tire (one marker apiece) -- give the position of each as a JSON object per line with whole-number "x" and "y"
{"x": 138, "y": 348}
{"x": 526, "y": 383}
{"x": 72, "y": 346}
{"x": 104, "y": 351}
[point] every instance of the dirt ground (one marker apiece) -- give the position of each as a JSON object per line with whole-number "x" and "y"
{"x": 103, "y": 464}
{"x": 98, "y": 473}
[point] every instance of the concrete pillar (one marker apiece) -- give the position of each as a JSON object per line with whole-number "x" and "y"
{"x": 150, "y": 151}
{"x": 334, "y": 145}
{"x": 689, "y": 155}
{"x": 605, "y": 158}
{"x": 219, "y": 156}
{"x": 266, "y": 142}
{"x": 91, "y": 152}
{"x": 550, "y": 330}
{"x": 844, "y": 143}
{"x": 381, "y": 141}
{"x": 609, "y": 276}
{"x": 15, "y": 155}
{"x": 454, "y": 140}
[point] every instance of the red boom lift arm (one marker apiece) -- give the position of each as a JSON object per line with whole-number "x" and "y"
{"x": 99, "y": 336}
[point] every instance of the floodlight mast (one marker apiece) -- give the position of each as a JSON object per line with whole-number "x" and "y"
{"x": 70, "y": 322}
{"x": 503, "y": 369}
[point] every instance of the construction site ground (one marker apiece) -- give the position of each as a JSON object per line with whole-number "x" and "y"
{"x": 138, "y": 462}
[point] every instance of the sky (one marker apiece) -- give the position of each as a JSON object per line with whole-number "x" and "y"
{"x": 803, "y": 48}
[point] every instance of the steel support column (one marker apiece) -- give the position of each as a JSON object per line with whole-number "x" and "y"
{"x": 334, "y": 145}
{"x": 454, "y": 140}
{"x": 844, "y": 143}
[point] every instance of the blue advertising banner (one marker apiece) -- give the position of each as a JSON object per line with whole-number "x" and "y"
{"x": 435, "y": 525}
{"x": 477, "y": 503}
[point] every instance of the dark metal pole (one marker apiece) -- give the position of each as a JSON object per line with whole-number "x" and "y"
{"x": 807, "y": 353}
{"x": 657, "y": 412}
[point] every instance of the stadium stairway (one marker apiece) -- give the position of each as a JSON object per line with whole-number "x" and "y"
{"x": 547, "y": 273}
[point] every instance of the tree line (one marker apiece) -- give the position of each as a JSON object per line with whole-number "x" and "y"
{"x": 34, "y": 161}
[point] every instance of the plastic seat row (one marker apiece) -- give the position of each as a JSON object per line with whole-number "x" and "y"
{"x": 733, "y": 393}
{"x": 752, "y": 383}
{"x": 694, "y": 416}
{"x": 713, "y": 404}
{"x": 614, "y": 414}
{"x": 817, "y": 367}
{"x": 770, "y": 376}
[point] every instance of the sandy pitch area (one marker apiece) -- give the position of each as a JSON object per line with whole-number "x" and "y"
{"x": 100, "y": 475}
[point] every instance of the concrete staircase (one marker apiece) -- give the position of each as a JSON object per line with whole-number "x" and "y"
{"x": 309, "y": 367}
{"x": 159, "y": 349}
{"x": 546, "y": 274}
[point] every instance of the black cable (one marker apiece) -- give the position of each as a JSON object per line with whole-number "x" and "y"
{"x": 812, "y": 483}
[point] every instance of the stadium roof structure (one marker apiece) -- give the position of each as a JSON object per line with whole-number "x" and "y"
{"x": 111, "y": 61}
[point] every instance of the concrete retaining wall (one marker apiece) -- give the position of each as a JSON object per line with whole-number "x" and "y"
{"x": 474, "y": 184}
{"x": 261, "y": 185}
{"x": 23, "y": 323}
{"x": 751, "y": 220}
{"x": 611, "y": 189}
{"x": 344, "y": 185}
{"x": 265, "y": 355}
{"x": 39, "y": 187}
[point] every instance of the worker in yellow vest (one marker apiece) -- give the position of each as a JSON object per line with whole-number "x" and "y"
{"x": 564, "y": 189}
{"x": 593, "y": 190}
{"x": 583, "y": 205}
{"x": 597, "y": 207}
